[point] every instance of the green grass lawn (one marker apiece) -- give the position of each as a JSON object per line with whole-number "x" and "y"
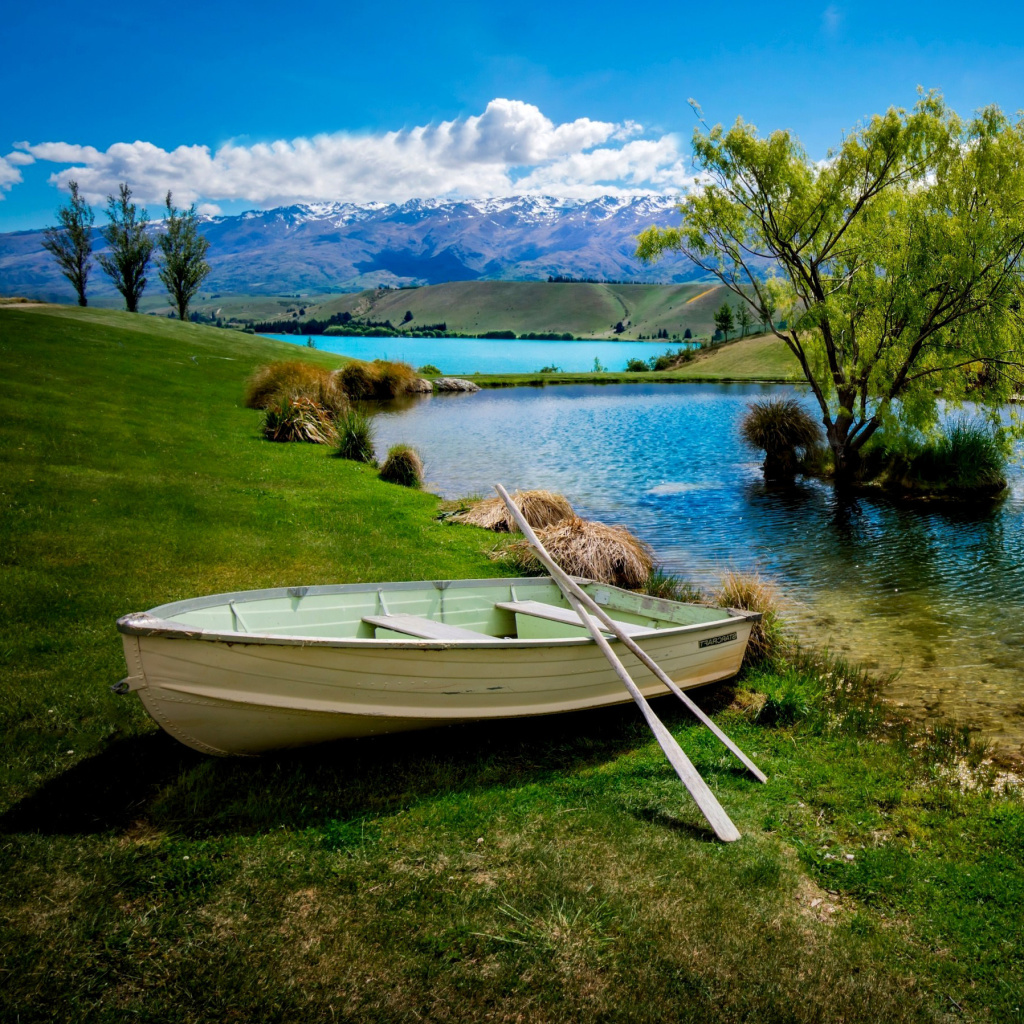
{"x": 547, "y": 870}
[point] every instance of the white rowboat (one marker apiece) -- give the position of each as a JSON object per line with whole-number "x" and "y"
{"x": 253, "y": 671}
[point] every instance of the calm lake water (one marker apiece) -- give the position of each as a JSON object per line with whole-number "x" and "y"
{"x": 934, "y": 591}
{"x": 478, "y": 355}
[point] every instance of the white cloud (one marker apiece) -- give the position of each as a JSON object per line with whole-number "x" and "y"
{"x": 512, "y": 147}
{"x": 9, "y": 173}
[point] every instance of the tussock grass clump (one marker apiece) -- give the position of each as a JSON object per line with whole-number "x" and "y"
{"x": 380, "y": 379}
{"x": 608, "y": 554}
{"x": 429, "y": 370}
{"x": 293, "y": 378}
{"x": 403, "y": 466}
{"x": 355, "y": 437}
{"x": 299, "y": 419}
{"x": 539, "y": 509}
{"x": 780, "y": 426}
{"x": 753, "y": 593}
{"x": 670, "y": 586}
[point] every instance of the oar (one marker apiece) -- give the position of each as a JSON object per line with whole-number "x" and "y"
{"x": 698, "y": 788}
{"x": 565, "y": 581}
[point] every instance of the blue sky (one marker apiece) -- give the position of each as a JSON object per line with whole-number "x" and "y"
{"x": 332, "y": 101}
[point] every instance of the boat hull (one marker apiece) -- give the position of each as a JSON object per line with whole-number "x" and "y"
{"x": 228, "y": 698}
{"x": 244, "y": 695}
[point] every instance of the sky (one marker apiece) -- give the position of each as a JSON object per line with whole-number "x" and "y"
{"x": 240, "y": 106}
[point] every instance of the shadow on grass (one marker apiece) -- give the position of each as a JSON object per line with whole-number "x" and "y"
{"x": 157, "y": 781}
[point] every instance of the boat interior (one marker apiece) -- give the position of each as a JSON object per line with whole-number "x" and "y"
{"x": 456, "y": 610}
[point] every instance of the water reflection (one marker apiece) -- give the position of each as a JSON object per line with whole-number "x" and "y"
{"x": 935, "y": 590}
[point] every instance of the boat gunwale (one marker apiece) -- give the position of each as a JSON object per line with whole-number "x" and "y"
{"x": 152, "y": 623}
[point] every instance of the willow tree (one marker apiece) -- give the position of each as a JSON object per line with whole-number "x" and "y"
{"x": 894, "y": 265}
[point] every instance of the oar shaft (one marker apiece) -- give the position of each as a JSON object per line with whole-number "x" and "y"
{"x": 566, "y": 582}
{"x": 698, "y": 788}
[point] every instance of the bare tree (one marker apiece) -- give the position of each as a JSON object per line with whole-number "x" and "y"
{"x": 70, "y": 244}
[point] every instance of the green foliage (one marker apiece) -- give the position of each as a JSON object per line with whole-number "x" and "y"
{"x": 637, "y": 366}
{"x": 899, "y": 259}
{"x": 429, "y": 370}
{"x": 779, "y": 427}
{"x": 403, "y": 466}
{"x": 355, "y": 436}
{"x": 184, "y": 256}
{"x": 70, "y": 244}
{"x": 724, "y": 319}
{"x": 599, "y": 367}
{"x": 967, "y": 459}
{"x": 130, "y": 247}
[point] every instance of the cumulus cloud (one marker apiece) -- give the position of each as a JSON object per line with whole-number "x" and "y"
{"x": 510, "y": 148}
{"x": 9, "y": 173}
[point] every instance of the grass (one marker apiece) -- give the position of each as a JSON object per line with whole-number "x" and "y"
{"x": 778, "y": 427}
{"x": 547, "y": 870}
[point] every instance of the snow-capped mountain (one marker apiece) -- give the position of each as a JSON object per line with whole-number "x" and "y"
{"x": 330, "y": 246}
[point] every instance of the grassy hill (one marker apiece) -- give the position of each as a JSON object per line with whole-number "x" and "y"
{"x": 585, "y": 310}
{"x": 552, "y": 869}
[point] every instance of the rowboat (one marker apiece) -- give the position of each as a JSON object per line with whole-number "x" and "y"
{"x": 248, "y": 672}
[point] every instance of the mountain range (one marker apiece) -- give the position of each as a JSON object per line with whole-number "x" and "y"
{"x": 319, "y": 248}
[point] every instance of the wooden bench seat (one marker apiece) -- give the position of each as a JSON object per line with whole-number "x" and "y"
{"x": 566, "y": 616}
{"x": 424, "y": 629}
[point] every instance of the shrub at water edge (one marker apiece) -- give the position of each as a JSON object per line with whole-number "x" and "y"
{"x": 751, "y": 592}
{"x": 403, "y": 466}
{"x": 355, "y": 437}
{"x": 297, "y": 418}
{"x": 294, "y": 378}
{"x": 608, "y": 554}
{"x": 539, "y": 509}
{"x": 779, "y": 427}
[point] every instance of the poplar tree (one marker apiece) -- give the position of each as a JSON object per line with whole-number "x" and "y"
{"x": 184, "y": 265}
{"x": 70, "y": 244}
{"x": 131, "y": 247}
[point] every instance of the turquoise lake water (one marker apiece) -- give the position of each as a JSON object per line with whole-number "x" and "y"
{"x": 478, "y": 355}
{"x": 934, "y": 591}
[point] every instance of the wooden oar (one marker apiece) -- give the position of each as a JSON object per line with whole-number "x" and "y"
{"x": 565, "y": 581}
{"x": 698, "y": 788}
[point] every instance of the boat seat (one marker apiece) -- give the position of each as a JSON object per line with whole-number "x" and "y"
{"x": 564, "y": 615}
{"x": 424, "y": 629}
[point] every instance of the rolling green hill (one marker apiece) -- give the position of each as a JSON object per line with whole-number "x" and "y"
{"x": 585, "y": 310}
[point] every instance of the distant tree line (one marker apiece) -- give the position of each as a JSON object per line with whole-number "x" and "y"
{"x": 569, "y": 279}
{"x": 182, "y": 266}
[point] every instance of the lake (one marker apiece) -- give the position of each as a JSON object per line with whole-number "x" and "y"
{"x": 477, "y": 355}
{"x": 936, "y": 591}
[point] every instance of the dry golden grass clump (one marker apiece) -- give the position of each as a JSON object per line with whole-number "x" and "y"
{"x": 297, "y": 418}
{"x": 539, "y": 508}
{"x": 752, "y": 592}
{"x": 608, "y": 554}
{"x": 403, "y": 466}
{"x": 379, "y": 379}
{"x": 293, "y": 378}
